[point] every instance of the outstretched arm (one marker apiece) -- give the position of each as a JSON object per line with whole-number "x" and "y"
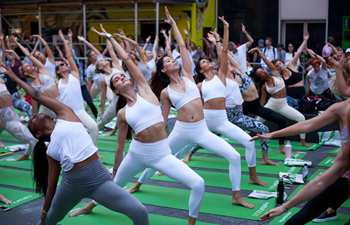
{"x": 30, "y": 56}
{"x": 48, "y": 50}
{"x": 185, "y": 56}
{"x": 250, "y": 39}
{"x": 340, "y": 81}
{"x": 69, "y": 55}
{"x": 263, "y": 56}
{"x": 89, "y": 45}
{"x": 300, "y": 50}
{"x": 223, "y": 70}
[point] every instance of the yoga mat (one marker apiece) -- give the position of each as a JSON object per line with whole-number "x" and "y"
{"x": 19, "y": 178}
{"x": 327, "y": 162}
{"x": 10, "y": 161}
{"x": 334, "y": 151}
{"x": 104, "y": 216}
{"x": 217, "y": 204}
{"x": 219, "y": 179}
{"x": 18, "y": 197}
{"x": 221, "y": 163}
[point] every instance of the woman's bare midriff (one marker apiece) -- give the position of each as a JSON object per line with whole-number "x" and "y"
{"x": 191, "y": 112}
{"x": 281, "y": 94}
{"x": 5, "y": 101}
{"x": 152, "y": 134}
{"x": 215, "y": 104}
{"x": 51, "y": 92}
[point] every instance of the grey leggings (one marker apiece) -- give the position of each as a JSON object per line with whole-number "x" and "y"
{"x": 12, "y": 124}
{"x": 235, "y": 115}
{"x": 94, "y": 181}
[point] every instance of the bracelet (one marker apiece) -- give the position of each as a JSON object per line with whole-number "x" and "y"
{"x": 108, "y": 36}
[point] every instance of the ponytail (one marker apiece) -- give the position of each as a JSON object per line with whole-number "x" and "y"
{"x": 40, "y": 167}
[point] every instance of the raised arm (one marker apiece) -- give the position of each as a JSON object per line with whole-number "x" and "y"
{"x": 185, "y": 56}
{"x": 11, "y": 52}
{"x": 115, "y": 59}
{"x": 155, "y": 47}
{"x": 59, "y": 108}
{"x": 135, "y": 44}
{"x": 263, "y": 56}
{"x": 30, "y": 56}
{"x": 60, "y": 53}
{"x": 314, "y": 55}
{"x": 167, "y": 42}
{"x": 69, "y": 55}
{"x": 300, "y": 50}
{"x": 223, "y": 70}
{"x": 250, "y": 39}
{"x": 147, "y": 43}
{"x": 340, "y": 81}
{"x": 48, "y": 50}
{"x": 89, "y": 45}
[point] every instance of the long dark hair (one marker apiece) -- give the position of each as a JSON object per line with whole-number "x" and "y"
{"x": 40, "y": 167}
{"x": 200, "y": 76}
{"x": 159, "y": 80}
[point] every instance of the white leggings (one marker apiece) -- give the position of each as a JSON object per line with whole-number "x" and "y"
{"x": 12, "y": 124}
{"x": 89, "y": 124}
{"x": 280, "y": 106}
{"x": 109, "y": 113}
{"x": 185, "y": 133}
{"x": 158, "y": 156}
{"x": 218, "y": 122}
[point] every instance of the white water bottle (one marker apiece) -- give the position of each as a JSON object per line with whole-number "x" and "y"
{"x": 288, "y": 150}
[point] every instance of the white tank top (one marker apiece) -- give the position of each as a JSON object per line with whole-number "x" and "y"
{"x": 233, "y": 94}
{"x": 70, "y": 93}
{"x": 213, "y": 89}
{"x": 70, "y": 143}
{"x": 46, "y": 82}
{"x": 179, "y": 99}
{"x": 279, "y": 85}
{"x": 142, "y": 114}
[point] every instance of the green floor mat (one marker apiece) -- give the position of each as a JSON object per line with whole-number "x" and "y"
{"x": 105, "y": 216}
{"x": 19, "y": 178}
{"x": 221, "y": 163}
{"x": 327, "y": 162}
{"x": 218, "y": 179}
{"x": 334, "y": 151}
{"x": 18, "y": 197}
{"x": 10, "y": 161}
{"x": 217, "y": 204}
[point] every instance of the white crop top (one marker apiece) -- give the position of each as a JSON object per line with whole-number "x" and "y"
{"x": 213, "y": 88}
{"x": 143, "y": 114}
{"x": 70, "y": 93}
{"x": 70, "y": 143}
{"x": 179, "y": 99}
{"x": 279, "y": 85}
{"x": 233, "y": 94}
{"x": 3, "y": 87}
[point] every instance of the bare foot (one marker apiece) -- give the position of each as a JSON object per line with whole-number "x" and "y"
{"x": 135, "y": 188}
{"x": 243, "y": 203}
{"x": 268, "y": 162}
{"x": 5, "y": 200}
{"x": 80, "y": 211}
{"x": 191, "y": 221}
{"x": 304, "y": 143}
{"x": 257, "y": 181}
{"x": 187, "y": 159}
{"x": 24, "y": 156}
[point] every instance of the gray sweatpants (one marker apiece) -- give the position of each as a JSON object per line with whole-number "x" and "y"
{"x": 94, "y": 181}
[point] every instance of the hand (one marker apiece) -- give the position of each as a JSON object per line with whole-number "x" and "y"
{"x": 273, "y": 213}
{"x": 306, "y": 36}
{"x": 243, "y": 28}
{"x": 335, "y": 63}
{"x": 261, "y": 136}
{"x": 60, "y": 34}
{"x": 104, "y": 30}
{"x": 170, "y": 20}
{"x": 148, "y": 39}
{"x": 222, "y": 18}
{"x": 9, "y": 51}
{"x": 253, "y": 50}
{"x": 215, "y": 33}
{"x": 211, "y": 38}
{"x": 70, "y": 33}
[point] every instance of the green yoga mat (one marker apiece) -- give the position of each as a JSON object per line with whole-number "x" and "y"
{"x": 105, "y": 216}
{"x": 218, "y": 179}
{"x": 18, "y": 197}
{"x": 217, "y": 204}
{"x": 10, "y": 161}
{"x": 327, "y": 162}
{"x": 17, "y": 178}
{"x": 334, "y": 151}
{"x": 221, "y": 163}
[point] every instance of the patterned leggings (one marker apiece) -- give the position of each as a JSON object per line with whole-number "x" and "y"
{"x": 235, "y": 115}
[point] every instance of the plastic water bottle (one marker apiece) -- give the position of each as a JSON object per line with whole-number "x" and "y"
{"x": 288, "y": 150}
{"x": 305, "y": 172}
{"x": 280, "y": 192}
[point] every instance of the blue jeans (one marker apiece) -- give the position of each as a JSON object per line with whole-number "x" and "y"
{"x": 293, "y": 102}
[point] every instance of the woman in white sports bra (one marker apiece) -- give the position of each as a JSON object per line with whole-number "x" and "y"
{"x": 70, "y": 91}
{"x": 190, "y": 127}
{"x": 331, "y": 188}
{"x": 40, "y": 79}
{"x": 275, "y": 87}
{"x": 149, "y": 147}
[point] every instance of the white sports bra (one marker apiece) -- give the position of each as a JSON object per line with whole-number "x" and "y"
{"x": 279, "y": 85}
{"x": 233, "y": 94}
{"x": 143, "y": 115}
{"x": 213, "y": 88}
{"x": 179, "y": 99}
{"x": 70, "y": 93}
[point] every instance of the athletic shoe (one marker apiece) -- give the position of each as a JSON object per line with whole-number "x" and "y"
{"x": 324, "y": 217}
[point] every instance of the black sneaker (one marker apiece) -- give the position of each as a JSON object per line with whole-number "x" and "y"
{"x": 324, "y": 217}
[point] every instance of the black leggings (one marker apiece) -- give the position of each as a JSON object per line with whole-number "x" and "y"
{"x": 87, "y": 98}
{"x": 255, "y": 108}
{"x": 333, "y": 197}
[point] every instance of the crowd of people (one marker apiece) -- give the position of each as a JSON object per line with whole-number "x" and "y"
{"x": 215, "y": 92}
